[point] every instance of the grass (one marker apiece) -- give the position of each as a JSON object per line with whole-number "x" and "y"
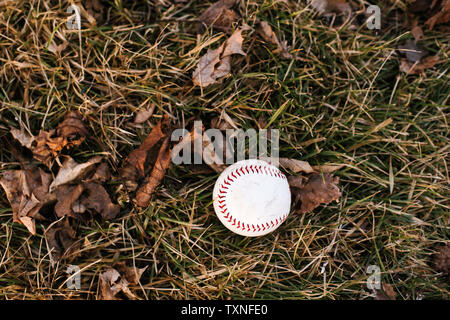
{"x": 342, "y": 101}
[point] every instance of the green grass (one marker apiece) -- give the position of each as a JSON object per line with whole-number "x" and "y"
{"x": 343, "y": 101}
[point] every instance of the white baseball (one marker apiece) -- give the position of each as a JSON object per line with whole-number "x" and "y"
{"x": 252, "y": 198}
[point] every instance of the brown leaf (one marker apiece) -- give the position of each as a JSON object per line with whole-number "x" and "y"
{"x": 386, "y": 293}
{"x": 48, "y": 144}
{"x": 297, "y": 181}
{"x": 96, "y": 198}
{"x": 216, "y": 64}
{"x": 443, "y": 16}
{"x": 133, "y": 168}
{"x": 75, "y": 200}
{"x": 71, "y": 171}
{"x": 72, "y": 129}
{"x": 24, "y": 138}
{"x": 95, "y": 9}
{"x": 67, "y": 195}
{"x": 159, "y": 170}
{"x": 318, "y": 190}
{"x": 266, "y": 32}
{"x": 27, "y": 192}
{"x": 417, "y": 33}
{"x": 441, "y": 260}
{"x": 219, "y": 16}
{"x": 143, "y": 115}
{"x": 61, "y": 238}
{"x": 117, "y": 279}
{"x": 418, "y": 67}
{"x": 296, "y": 165}
{"x": 328, "y": 6}
{"x": 205, "y": 74}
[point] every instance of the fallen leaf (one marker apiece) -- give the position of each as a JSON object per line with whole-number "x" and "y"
{"x": 216, "y": 64}
{"x": 328, "y": 6}
{"x": 296, "y": 165}
{"x": 317, "y": 190}
{"x": 219, "y": 16}
{"x": 417, "y": 33}
{"x": 443, "y": 16}
{"x": 61, "y": 239}
{"x": 72, "y": 129}
{"x": 297, "y": 181}
{"x": 29, "y": 224}
{"x": 24, "y": 138}
{"x": 266, "y": 32}
{"x": 75, "y": 200}
{"x": 133, "y": 168}
{"x": 27, "y": 192}
{"x": 47, "y": 145}
{"x": 159, "y": 170}
{"x": 71, "y": 171}
{"x": 95, "y": 9}
{"x": 386, "y": 292}
{"x": 419, "y": 67}
{"x": 441, "y": 259}
{"x": 117, "y": 278}
{"x": 95, "y": 197}
{"x": 143, "y": 115}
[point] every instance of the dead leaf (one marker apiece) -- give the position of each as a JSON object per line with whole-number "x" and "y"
{"x": 266, "y": 32}
{"x": 328, "y": 6}
{"x": 216, "y": 64}
{"x": 441, "y": 259}
{"x": 318, "y": 190}
{"x": 29, "y": 224}
{"x": 133, "y": 168}
{"x": 96, "y": 198}
{"x": 144, "y": 115}
{"x": 159, "y": 170}
{"x": 61, "y": 239}
{"x": 219, "y": 16}
{"x": 24, "y": 138}
{"x": 296, "y": 165}
{"x": 71, "y": 171}
{"x": 409, "y": 67}
{"x": 417, "y": 33}
{"x": 117, "y": 279}
{"x": 443, "y": 16}
{"x": 386, "y": 292}
{"x": 91, "y": 197}
{"x": 95, "y": 9}
{"x": 72, "y": 129}
{"x": 47, "y": 145}
{"x": 27, "y": 192}
{"x": 297, "y": 181}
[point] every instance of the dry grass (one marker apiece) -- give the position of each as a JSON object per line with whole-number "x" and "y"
{"x": 343, "y": 101}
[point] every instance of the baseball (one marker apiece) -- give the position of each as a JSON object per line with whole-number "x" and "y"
{"x": 252, "y": 198}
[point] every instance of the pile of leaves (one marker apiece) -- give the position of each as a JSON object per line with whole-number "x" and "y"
{"x": 57, "y": 189}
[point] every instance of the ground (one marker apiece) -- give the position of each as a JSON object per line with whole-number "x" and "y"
{"x": 341, "y": 99}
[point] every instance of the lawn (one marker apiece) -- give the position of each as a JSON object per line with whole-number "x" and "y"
{"x": 341, "y": 99}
